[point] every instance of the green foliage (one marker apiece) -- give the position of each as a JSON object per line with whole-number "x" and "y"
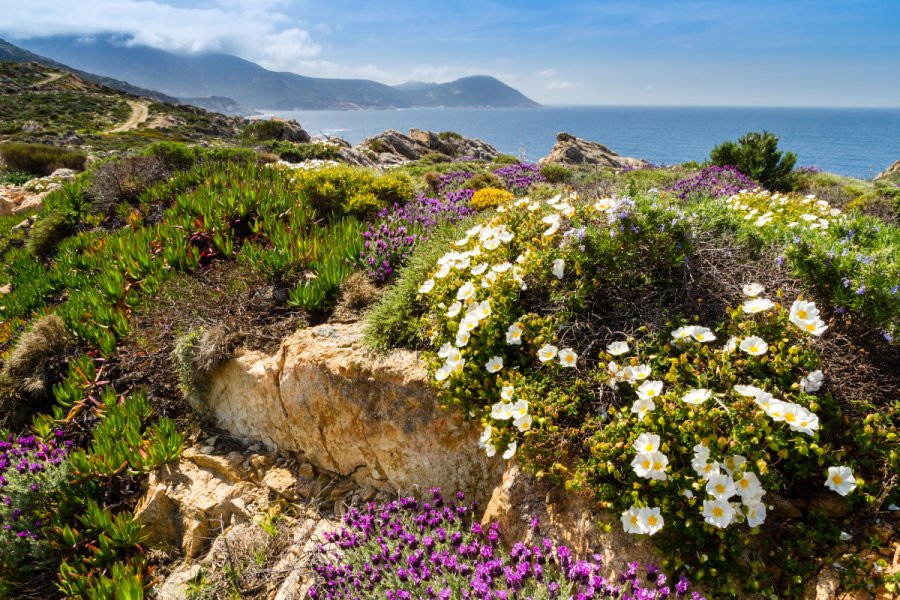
{"x": 47, "y": 232}
{"x": 449, "y": 135}
{"x": 342, "y": 189}
{"x": 486, "y": 198}
{"x": 555, "y": 173}
{"x": 485, "y": 179}
{"x": 40, "y": 159}
{"x": 14, "y": 177}
{"x": 262, "y": 130}
{"x": 174, "y": 155}
{"x": 296, "y": 152}
{"x": 393, "y": 321}
{"x": 507, "y": 159}
{"x": 756, "y": 155}
{"x": 434, "y": 158}
{"x": 197, "y": 355}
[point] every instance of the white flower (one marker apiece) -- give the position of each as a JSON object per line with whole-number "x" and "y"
{"x": 485, "y": 436}
{"x": 457, "y": 366}
{"x": 475, "y": 230}
{"x": 730, "y": 345}
{"x": 519, "y": 409}
{"x": 617, "y": 348}
{"x": 567, "y": 358}
{"x": 682, "y": 333}
{"x": 469, "y": 323}
{"x": 483, "y": 310}
{"x": 547, "y": 353}
{"x": 505, "y": 236}
{"x": 754, "y": 345}
{"x": 748, "y": 487}
{"x": 462, "y": 242}
{"x": 523, "y": 423}
{"x": 649, "y": 390}
{"x": 650, "y": 520}
{"x": 812, "y": 382}
{"x": 550, "y": 231}
{"x": 507, "y": 392}
{"x": 697, "y": 396}
{"x": 773, "y": 407}
{"x": 559, "y": 268}
{"x": 753, "y": 289}
{"x": 494, "y": 365}
{"x": 799, "y": 419}
{"x": 733, "y": 464}
{"x": 651, "y": 465}
{"x": 701, "y": 453}
{"x": 445, "y": 350}
{"x": 501, "y": 411}
{"x": 454, "y": 309}
{"x": 510, "y": 451}
{"x": 489, "y": 279}
{"x": 490, "y": 450}
{"x": 551, "y": 219}
{"x": 426, "y": 286}
{"x": 757, "y": 305}
{"x": 443, "y": 271}
{"x": 750, "y": 391}
{"x": 638, "y": 373}
{"x": 840, "y": 480}
{"x": 453, "y": 355}
{"x": 803, "y": 312}
{"x": 492, "y": 243}
{"x": 721, "y": 487}
{"x": 442, "y": 373}
{"x": 706, "y": 469}
{"x": 815, "y": 328}
{"x": 514, "y": 334}
{"x": 462, "y": 338}
{"x": 718, "y": 513}
{"x": 702, "y": 334}
{"x": 631, "y": 521}
{"x": 501, "y": 268}
{"x": 479, "y": 268}
{"x": 642, "y": 406}
{"x": 647, "y": 442}
{"x": 755, "y": 511}
{"x": 466, "y": 292}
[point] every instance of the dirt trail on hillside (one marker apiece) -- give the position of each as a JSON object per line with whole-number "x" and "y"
{"x": 139, "y": 114}
{"x": 50, "y": 79}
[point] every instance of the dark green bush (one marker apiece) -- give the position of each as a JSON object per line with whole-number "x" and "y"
{"x": 507, "y": 159}
{"x": 40, "y": 159}
{"x": 485, "y": 180}
{"x": 449, "y": 135}
{"x": 756, "y": 155}
{"x": 298, "y": 152}
{"x": 434, "y": 158}
{"x": 174, "y": 155}
{"x": 47, "y": 233}
{"x": 555, "y": 173}
{"x": 264, "y": 129}
{"x": 14, "y": 177}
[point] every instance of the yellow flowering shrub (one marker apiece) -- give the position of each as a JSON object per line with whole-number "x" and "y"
{"x": 486, "y": 198}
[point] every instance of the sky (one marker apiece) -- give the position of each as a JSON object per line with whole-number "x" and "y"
{"x": 626, "y": 52}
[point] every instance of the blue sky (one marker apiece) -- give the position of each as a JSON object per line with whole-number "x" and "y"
{"x": 697, "y": 52}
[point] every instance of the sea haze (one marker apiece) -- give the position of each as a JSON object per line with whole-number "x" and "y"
{"x": 859, "y": 142}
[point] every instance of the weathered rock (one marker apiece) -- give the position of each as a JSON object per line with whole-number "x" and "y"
{"x": 188, "y": 501}
{"x": 293, "y": 132}
{"x": 572, "y": 151}
{"x": 64, "y": 174}
{"x": 175, "y": 585}
{"x": 567, "y": 517}
{"x": 282, "y": 482}
{"x": 894, "y": 168}
{"x": 371, "y": 417}
{"x": 824, "y": 587}
{"x": 392, "y": 147}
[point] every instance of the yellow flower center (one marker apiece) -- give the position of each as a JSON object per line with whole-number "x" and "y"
{"x": 634, "y": 520}
{"x": 743, "y": 483}
{"x": 652, "y": 520}
{"x": 790, "y": 417}
{"x": 720, "y": 489}
{"x": 717, "y": 512}
{"x": 657, "y": 466}
{"x": 802, "y": 314}
{"x": 754, "y": 349}
{"x": 648, "y": 448}
{"x": 837, "y": 479}
{"x": 646, "y": 464}
{"x": 810, "y": 326}
{"x": 651, "y": 392}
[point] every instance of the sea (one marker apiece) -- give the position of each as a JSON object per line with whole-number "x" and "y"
{"x": 859, "y": 142}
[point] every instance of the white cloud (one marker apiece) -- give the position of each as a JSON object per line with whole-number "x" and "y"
{"x": 253, "y": 29}
{"x": 546, "y": 73}
{"x": 560, "y": 85}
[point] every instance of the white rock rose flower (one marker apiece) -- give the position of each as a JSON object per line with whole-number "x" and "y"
{"x": 631, "y": 522}
{"x": 559, "y": 268}
{"x": 514, "y": 334}
{"x": 494, "y": 364}
{"x": 840, "y": 480}
{"x": 650, "y": 520}
{"x": 617, "y": 348}
{"x": 649, "y": 390}
{"x": 547, "y": 353}
{"x": 718, "y": 513}
{"x": 721, "y": 487}
{"x": 510, "y": 451}
{"x": 753, "y": 290}
{"x": 697, "y": 396}
{"x": 466, "y": 292}
{"x": 568, "y": 358}
{"x": 757, "y": 305}
{"x": 647, "y": 442}
{"x": 426, "y": 286}
{"x": 755, "y": 511}
{"x": 813, "y": 382}
{"x": 754, "y": 345}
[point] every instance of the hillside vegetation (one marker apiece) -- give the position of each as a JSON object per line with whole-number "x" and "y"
{"x": 686, "y": 348}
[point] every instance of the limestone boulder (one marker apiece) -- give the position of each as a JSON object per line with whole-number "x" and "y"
{"x": 571, "y": 151}
{"x": 567, "y": 517}
{"x": 392, "y": 147}
{"x": 891, "y": 170}
{"x": 373, "y": 418}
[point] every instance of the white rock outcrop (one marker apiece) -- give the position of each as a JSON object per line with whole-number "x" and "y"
{"x": 371, "y": 417}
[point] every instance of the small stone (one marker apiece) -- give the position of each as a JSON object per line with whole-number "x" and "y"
{"x": 282, "y": 482}
{"x": 261, "y": 462}
{"x": 305, "y": 470}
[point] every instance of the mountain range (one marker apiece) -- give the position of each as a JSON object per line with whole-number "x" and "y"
{"x": 199, "y": 76}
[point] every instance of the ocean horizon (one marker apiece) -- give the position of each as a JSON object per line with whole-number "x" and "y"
{"x": 858, "y": 142}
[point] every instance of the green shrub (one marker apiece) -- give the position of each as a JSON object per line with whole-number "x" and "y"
{"x": 47, "y": 232}
{"x": 40, "y": 159}
{"x": 484, "y": 180}
{"x": 264, "y": 129}
{"x": 449, "y": 135}
{"x": 434, "y": 158}
{"x": 486, "y": 198}
{"x": 507, "y": 159}
{"x": 125, "y": 179}
{"x": 197, "y": 355}
{"x": 174, "y": 155}
{"x": 297, "y": 152}
{"x": 14, "y": 177}
{"x": 330, "y": 190}
{"x": 756, "y": 155}
{"x": 555, "y": 173}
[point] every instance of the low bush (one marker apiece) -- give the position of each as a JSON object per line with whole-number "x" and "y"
{"x": 517, "y": 178}
{"x": 174, "y": 155}
{"x": 341, "y": 190}
{"x": 712, "y": 182}
{"x": 756, "y": 155}
{"x": 298, "y": 152}
{"x": 40, "y": 159}
{"x": 15, "y": 177}
{"x": 197, "y": 355}
{"x": 125, "y": 179}
{"x": 475, "y": 182}
{"x": 487, "y": 198}
{"x": 506, "y": 159}
{"x": 554, "y": 173}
